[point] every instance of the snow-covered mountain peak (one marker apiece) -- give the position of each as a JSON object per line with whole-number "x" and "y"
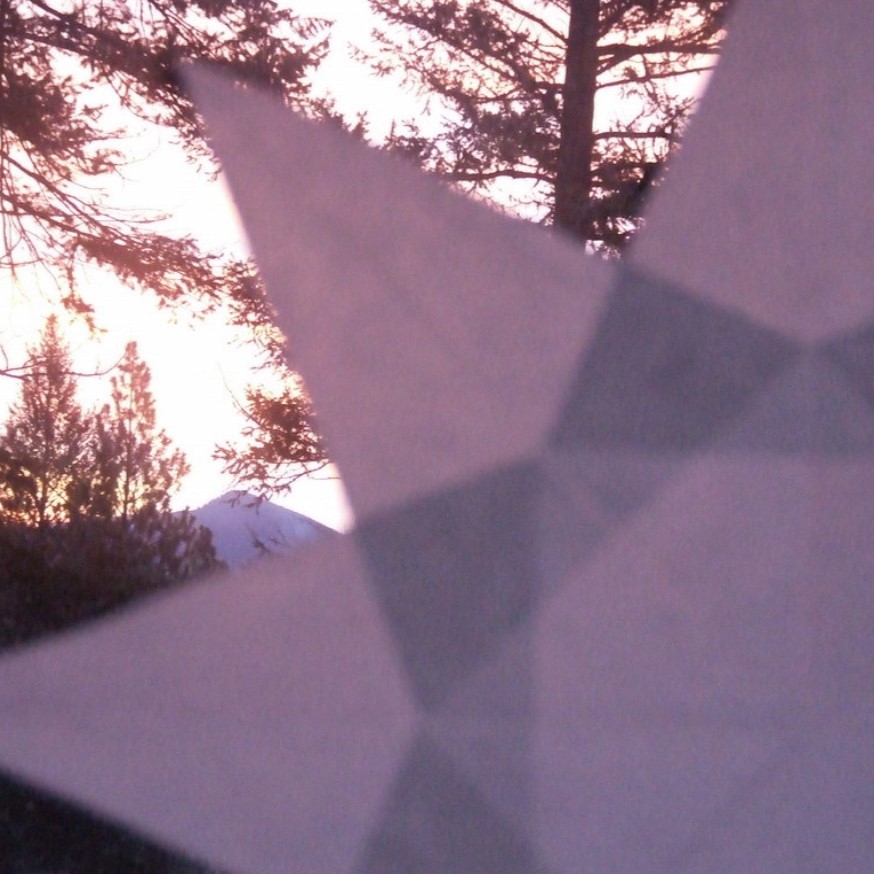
{"x": 244, "y": 529}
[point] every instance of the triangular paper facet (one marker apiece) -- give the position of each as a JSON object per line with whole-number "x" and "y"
{"x": 203, "y": 719}
{"x": 767, "y": 207}
{"x": 436, "y": 336}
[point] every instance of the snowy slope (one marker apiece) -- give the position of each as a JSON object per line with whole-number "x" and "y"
{"x": 243, "y": 530}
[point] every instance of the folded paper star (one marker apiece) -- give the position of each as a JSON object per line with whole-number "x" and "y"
{"x": 609, "y": 603}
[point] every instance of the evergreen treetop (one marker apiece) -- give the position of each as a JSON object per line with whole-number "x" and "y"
{"x": 45, "y": 444}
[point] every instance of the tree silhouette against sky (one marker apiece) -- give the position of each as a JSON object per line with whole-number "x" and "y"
{"x": 525, "y": 86}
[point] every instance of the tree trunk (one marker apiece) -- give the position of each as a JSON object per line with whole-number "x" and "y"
{"x": 573, "y": 180}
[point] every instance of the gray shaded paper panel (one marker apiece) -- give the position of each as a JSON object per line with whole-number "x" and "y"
{"x": 454, "y": 573}
{"x": 809, "y": 408}
{"x": 436, "y": 822}
{"x": 665, "y": 371}
{"x": 854, "y": 355}
{"x": 486, "y": 728}
{"x": 586, "y": 498}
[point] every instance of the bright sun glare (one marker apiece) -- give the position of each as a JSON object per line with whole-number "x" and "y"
{"x": 199, "y": 369}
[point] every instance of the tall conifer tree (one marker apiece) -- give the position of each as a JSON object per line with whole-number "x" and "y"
{"x": 135, "y": 470}
{"x": 44, "y": 447}
{"x": 520, "y": 84}
{"x": 137, "y": 465}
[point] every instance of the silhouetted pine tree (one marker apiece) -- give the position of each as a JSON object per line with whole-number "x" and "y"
{"x": 520, "y": 84}
{"x": 44, "y": 447}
